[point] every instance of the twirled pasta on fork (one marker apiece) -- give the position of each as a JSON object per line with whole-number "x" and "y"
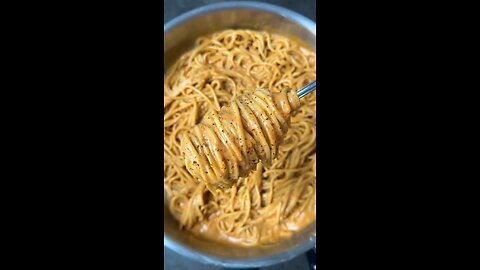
{"x": 228, "y": 144}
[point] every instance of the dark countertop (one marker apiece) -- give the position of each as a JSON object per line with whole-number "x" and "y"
{"x": 174, "y": 8}
{"x": 174, "y": 261}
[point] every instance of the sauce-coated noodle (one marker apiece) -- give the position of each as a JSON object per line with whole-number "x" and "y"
{"x": 278, "y": 198}
{"x": 228, "y": 144}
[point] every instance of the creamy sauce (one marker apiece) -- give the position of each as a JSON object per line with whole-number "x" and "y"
{"x": 208, "y": 230}
{"x": 277, "y": 198}
{"x": 228, "y": 144}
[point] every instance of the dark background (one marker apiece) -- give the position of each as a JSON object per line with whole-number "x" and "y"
{"x": 85, "y": 159}
{"x": 174, "y": 8}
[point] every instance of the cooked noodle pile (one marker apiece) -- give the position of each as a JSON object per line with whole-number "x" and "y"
{"x": 278, "y": 198}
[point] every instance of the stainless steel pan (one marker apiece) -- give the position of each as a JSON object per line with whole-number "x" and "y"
{"x": 179, "y": 35}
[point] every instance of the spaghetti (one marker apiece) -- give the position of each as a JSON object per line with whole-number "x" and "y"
{"x": 228, "y": 144}
{"x": 278, "y": 198}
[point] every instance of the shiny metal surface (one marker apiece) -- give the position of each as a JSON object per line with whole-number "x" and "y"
{"x": 179, "y": 35}
{"x": 307, "y": 89}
